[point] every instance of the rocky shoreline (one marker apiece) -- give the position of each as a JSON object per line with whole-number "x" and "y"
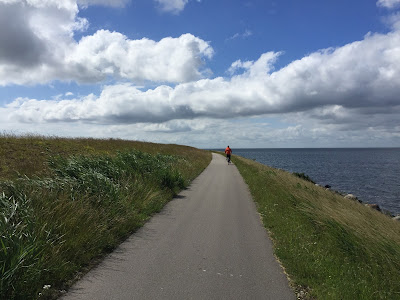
{"x": 355, "y": 198}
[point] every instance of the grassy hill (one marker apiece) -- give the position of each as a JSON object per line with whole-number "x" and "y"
{"x": 331, "y": 247}
{"x": 66, "y": 202}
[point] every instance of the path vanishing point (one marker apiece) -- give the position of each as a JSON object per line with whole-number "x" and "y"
{"x": 207, "y": 243}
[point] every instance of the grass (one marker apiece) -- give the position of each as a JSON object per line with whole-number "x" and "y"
{"x": 28, "y": 155}
{"x": 66, "y": 202}
{"x": 331, "y": 247}
{"x": 303, "y": 176}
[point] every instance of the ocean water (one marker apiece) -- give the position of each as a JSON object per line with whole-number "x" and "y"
{"x": 371, "y": 174}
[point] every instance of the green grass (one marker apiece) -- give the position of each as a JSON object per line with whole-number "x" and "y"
{"x": 29, "y": 154}
{"x": 66, "y": 202}
{"x": 331, "y": 247}
{"x": 303, "y": 176}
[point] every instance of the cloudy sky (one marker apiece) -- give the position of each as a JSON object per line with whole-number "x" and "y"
{"x": 205, "y": 73}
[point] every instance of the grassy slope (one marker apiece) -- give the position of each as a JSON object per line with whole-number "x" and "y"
{"x": 66, "y": 213}
{"x": 29, "y": 155}
{"x": 332, "y": 247}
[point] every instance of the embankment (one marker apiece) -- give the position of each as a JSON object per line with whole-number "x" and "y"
{"x": 64, "y": 203}
{"x": 331, "y": 247}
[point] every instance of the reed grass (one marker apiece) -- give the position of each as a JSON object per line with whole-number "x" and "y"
{"x": 331, "y": 247}
{"x": 76, "y": 204}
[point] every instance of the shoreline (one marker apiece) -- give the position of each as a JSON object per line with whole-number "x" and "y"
{"x": 370, "y": 175}
{"x": 331, "y": 247}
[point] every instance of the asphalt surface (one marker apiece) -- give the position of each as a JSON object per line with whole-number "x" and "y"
{"x": 207, "y": 243}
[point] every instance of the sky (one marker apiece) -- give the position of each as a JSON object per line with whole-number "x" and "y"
{"x": 203, "y": 73}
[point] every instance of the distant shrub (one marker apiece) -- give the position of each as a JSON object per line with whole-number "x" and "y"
{"x": 303, "y": 176}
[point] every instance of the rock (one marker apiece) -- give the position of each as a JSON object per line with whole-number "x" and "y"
{"x": 317, "y": 184}
{"x": 327, "y": 186}
{"x": 396, "y": 218}
{"x": 351, "y": 197}
{"x": 374, "y": 206}
{"x": 339, "y": 193}
{"x": 300, "y": 295}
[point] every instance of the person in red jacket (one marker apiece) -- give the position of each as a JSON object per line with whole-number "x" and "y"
{"x": 228, "y": 152}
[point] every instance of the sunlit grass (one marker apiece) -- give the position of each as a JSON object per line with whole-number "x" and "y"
{"x": 81, "y": 198}
{"x": 334, "y": 247}
{"x": 29, "y": 154}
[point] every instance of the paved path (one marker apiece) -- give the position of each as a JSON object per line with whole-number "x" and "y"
{"x": 208, "y": 243}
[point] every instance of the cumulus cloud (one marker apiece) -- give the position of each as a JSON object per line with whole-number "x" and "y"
{"x": 26, "y": 39}
{"x": 37, "y": 46}
{"x": 363, "y": 76}
{"x": 388, "y": 3}
{"x": 18, "y": 45}
{"x": 261, "y": 67}
{"x": 112, "y": 54}
{"x": 336, "y": 93}
{"x": 393, "y": 21}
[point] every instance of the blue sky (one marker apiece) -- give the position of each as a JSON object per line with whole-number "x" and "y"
{"x": 203, "y": 73}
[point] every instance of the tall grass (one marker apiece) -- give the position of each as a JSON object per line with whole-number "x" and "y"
{"x": 53, "y": 226}
{"x": 331, "y": 247}
{"x": 29, "y": 154}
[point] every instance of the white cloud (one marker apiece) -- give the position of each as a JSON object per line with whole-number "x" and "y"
{"x": 37, "y": 46}
{"x": 388, "y": 3}
{"x": 237, "y": 65}
{"x": 172, "y": 6}
{"x": 330, "y": 95}
{"x": 112, "y": 54}
{"x": 245, "y": 34}
{"x": 363, "y": 76}
{"x": 112, "y": 3}
{"x": 262, "y": 66}
{"x": 33, "y": 32}
{"x": 296, "y": 131}
{"x": 393, "y": 21}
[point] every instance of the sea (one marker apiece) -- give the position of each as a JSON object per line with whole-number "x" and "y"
{"x": 371, "y": 174}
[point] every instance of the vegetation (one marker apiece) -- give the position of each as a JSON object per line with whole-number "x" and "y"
{"x": 303, "y": 176}
{"x": 28, "y": 155}
{"x": 66, "y": 202}
{"x": 331, "y": 247}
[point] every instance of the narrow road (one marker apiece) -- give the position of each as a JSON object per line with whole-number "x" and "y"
{"x": 208, "y": 243}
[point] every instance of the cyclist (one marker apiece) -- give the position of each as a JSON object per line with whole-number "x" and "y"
{"x": 228, "y": 152}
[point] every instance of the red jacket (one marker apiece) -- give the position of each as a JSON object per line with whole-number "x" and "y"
{"x": 228, "y": 150}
